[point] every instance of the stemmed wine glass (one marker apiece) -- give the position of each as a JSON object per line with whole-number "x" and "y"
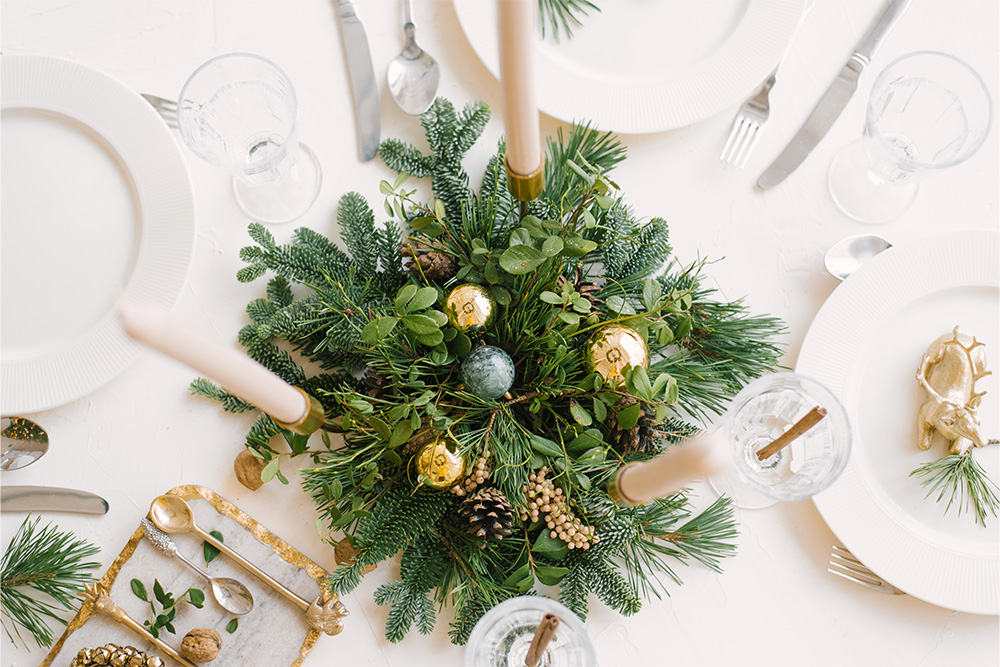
{"x": 928, "y": 111}
{"x": 764, "y": 410}
{"x": 503, "y": 636}
{"x": 239, "y": 111}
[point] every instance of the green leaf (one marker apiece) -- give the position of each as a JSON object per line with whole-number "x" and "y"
{"x": 232, "y": 625}
{"x": 545, "y": 446}
{"x": 550, "y": 575}
{"x": 551, "y": 297}
{"x": 369, "y": 335}
{"x": 424, "y": 298}
{"x": 271, "y": 469}
{"x": 581, "y": 416}
{"x": 600, "y": 410}
{"x": 196, "y": 597}
{"x": 584, "y": 441}
{"x": 208, "y": 550}
{"x": 521, "y": 259}
{"x": 162, "y": 596}
{"x": 386, "y": 188}
{"x": 517, "y": 576}
{"x": 461, "y": 345}
{"x": 577, "y": 246}
{"x": 139, "y": 590}
{"x": 640, "y": 381}
{"x": 552, "y": 246}
{"x": 595, "y": 455}
{"x": 683, "y": 326}
{"x": 403, "y": 297}
{"x": 501, "y": 295}
{"x": 551, "y": 547}
{"x": 433, "y": 339}
{"x": 419, "y": 324}
{"x": 419, "y": 223}
{"x": 401, "y": 434}
{"x": 650, "y": 293}
{"x": 439, "y": 209}
{"x": 628, "y": 417}
{"x": 380, "y": 427}
{"x": 400, "y": 180}
{"x": 659, "y": 384}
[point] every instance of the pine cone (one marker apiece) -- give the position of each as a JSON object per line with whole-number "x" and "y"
{"x": 375, "y": 382}
{"x": 489, "y": 513}
{"x": 643, "y": 437}
{"x": 584, "y": 288}
{"x": 435, "y": 265}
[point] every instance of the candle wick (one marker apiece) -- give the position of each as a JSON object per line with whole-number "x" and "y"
{"x": 798, "y": 429}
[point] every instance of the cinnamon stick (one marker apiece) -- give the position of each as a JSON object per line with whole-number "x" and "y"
{"x": 811, "y": 418}
{"x": 543, "y": 635}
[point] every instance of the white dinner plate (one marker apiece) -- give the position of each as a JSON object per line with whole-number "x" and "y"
{"x": 639, "y": 66}
{"x": 97, "y": 206}
{"x": 866, "y": 344}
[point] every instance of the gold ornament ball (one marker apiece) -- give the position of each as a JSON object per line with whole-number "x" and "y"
{"x": 470, "y": 308}
{"x": 440, "y": 463}
{"x": 614, "y": 347}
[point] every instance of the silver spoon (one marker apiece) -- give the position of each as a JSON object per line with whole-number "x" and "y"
{"x": 229, "y": 593}
{"x": 24, "y": 442}
{"x": 846, "y": 255}
{"x": 413, "y": 75}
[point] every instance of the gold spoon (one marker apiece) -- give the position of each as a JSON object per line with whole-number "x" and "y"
{"x": 172, "y": 514}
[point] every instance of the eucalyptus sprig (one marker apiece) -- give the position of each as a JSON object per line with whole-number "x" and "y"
{"x": 43, "y": 571}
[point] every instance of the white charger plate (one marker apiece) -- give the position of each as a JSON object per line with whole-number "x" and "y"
{"x": 866, "y": 344}
{"x": 638, "y": 66}
{"x": 97, "y": 206}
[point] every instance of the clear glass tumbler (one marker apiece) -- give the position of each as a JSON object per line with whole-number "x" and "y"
{"x": 927, "y": 111}
{"x": 764, "y": 410}
{"x": 502, "y": 636}
{"x": 239, "y": 111}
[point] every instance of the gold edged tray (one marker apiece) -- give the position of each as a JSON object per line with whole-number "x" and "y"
{"x": 267, "y": 635}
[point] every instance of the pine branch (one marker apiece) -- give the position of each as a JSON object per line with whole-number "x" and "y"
{"x": 563, "y": 16}
{"x": 230, "y": 403}
{"x": 43, "y": 562}
{"x": 963, "y": 481}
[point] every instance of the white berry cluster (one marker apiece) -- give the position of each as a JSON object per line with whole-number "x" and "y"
{"x": 479, "y": 474}
{"x": 544, "y": 497}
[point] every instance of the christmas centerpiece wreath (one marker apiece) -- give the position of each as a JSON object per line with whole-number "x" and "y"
{"x": 490, "y": 370}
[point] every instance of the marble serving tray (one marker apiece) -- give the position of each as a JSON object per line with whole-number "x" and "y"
{"x": 275, "y": 633}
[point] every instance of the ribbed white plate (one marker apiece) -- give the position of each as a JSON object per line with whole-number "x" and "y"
{"x": 865, "y": 345}
{"x": 639, "y": 66}
{"x": 97, "y": 206}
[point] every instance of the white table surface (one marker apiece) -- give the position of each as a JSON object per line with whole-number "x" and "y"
{"x": 775, "y": 604}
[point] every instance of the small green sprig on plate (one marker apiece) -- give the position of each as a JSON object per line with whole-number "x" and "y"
{"x": 164, "y": 618}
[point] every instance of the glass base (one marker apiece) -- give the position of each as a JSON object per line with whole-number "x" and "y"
{"x": 285, "y": 199}
{"x": 728, "y": 483}
{"x": 860, "y": 195}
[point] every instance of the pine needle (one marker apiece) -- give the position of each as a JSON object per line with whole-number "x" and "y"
{"x": 43, "y": 570}
{"x": 964, "y": 482}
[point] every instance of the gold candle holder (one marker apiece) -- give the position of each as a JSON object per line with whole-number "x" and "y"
{"x": 526, "y": 187}
{"x": 310, "y": 421}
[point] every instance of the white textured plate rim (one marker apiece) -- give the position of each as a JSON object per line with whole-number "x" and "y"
{"x": 955, "y": 576}
{"x": 728, "y": 76}
{"x": 166, "y": 200}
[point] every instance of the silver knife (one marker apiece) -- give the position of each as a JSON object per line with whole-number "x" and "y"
{"x": 363, "y": 86}
{"x": 50, "y": 499}
{"x": 833, "y": 102}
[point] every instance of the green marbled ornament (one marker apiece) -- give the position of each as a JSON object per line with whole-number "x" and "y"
{"x": 487, "y": 372}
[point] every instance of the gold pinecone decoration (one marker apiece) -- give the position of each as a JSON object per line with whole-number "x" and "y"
{"x": 489, "y": 513}
{"x": 434, "y": 264}
{"x": 642, "y": 437}
{"x": 115, "y": 656}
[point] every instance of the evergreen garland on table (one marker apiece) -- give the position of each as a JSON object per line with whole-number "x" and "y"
{"x": 43, "y": 570}
{"x": 578, "y": 260}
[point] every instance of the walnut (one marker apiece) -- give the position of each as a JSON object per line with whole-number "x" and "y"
{"x": 248, "y": 468}
{"x": 201, "y": 645}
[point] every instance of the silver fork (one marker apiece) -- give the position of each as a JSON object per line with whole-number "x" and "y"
{"x": 166, "y": 108}
{"x": 844, "y": 564}
{"x": 748, "y": 125}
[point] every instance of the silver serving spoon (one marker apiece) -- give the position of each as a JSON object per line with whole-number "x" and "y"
{"x": 24, "y": 442}
{"x": 846, "y": 255}
{"x": 413, "y": 75}
{"x": 229, "y": 593}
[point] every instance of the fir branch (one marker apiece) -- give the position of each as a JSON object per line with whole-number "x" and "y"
{"x": 230, "y": 402}
{"x": 563, "y": 16}
{"x": 963, "y": 481}
{"x": 44, "y": 562}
